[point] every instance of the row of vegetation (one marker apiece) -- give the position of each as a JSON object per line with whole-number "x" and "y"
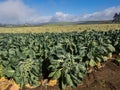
{"x": 54, "y": 28}
{"x": 65, "y": 57}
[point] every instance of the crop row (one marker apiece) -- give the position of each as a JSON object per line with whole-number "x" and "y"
{"x": 26, "y": 58}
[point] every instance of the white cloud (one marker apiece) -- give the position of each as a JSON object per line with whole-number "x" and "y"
{"x": 16, "y": 12}
{"x": 60, "y": 16}
{"x": 39, "y": 19}
{"x": 106, "y": 14}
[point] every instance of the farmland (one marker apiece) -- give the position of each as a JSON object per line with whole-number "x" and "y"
{"x": 58, "y": 28}
{"x": 34, "y": 56}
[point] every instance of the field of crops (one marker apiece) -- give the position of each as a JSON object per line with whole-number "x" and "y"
{"x": 55, "y": 28}
{"x": 64, "y": 57}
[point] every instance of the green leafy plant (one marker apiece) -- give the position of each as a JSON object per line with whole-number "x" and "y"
{"x": 1, "y": 70}
{"x": 27, "y": 72}
{"x": 66, "y": 67}
{"x": 62, "y": 56}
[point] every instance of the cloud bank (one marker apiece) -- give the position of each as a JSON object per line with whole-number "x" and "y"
{"x": 106, "y": 14}
{"x": 16, "y": 12}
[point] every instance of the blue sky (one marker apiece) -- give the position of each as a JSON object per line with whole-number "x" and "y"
{"x": 42, "y": 11}
{"x": 75, "y": 7}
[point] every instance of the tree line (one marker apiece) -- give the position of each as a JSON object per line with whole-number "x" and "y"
{"x": 116, "y": 18}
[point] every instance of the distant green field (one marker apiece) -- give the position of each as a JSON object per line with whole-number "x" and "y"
{"x": 58, "y": 28}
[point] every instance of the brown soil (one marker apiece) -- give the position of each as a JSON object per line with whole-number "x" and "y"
{"x": 107, "y": 78}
